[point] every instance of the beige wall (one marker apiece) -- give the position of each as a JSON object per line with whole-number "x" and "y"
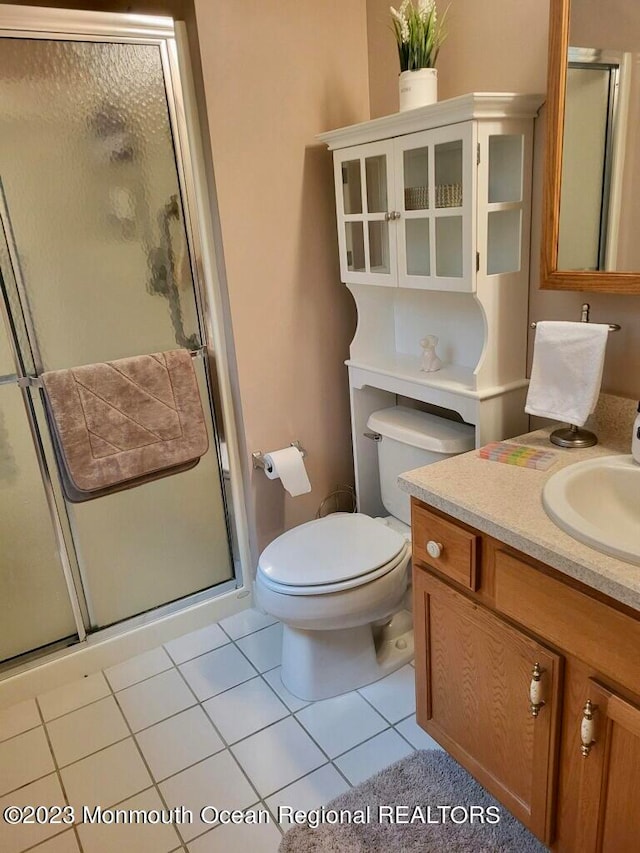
{"x": 501, "y": 45}
{"x": 276, "y": 74}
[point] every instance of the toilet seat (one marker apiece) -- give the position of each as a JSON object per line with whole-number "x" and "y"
{"x": 319, "y": 589}
{"x": 338, "y": 552}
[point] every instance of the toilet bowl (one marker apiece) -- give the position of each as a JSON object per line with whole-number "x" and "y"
{"x": 339, "y": 584}
{"x": 356, "y": 574}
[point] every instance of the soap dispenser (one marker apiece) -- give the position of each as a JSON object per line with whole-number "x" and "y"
{"x": 635, "y": 439}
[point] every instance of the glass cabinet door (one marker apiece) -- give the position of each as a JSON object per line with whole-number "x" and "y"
{"x": 505, "y": 208}
{"x": 436, "y": 200}
{"x": 364, "y": 189}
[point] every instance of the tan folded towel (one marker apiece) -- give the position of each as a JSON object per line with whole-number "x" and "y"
{"x": 123, "y": 423}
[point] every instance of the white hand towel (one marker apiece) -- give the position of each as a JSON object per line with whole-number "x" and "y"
{"x": 568, "y": 359}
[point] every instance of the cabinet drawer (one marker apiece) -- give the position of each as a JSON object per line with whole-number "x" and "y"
{"x": 458, "y": 558}
{"x": 594, "y": 632}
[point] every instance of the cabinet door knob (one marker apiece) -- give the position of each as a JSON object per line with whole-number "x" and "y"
{"x": 535, "y": 690}
{"x": 388, "y": 216}
{"x": 434, "y": 549}
{"x": 396, "y": 214}
{"x": 587, "y": 728}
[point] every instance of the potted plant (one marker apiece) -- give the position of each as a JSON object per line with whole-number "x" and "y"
{"x": 419, "y": 34}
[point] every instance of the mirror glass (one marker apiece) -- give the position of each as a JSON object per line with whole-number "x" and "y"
{"x": 599, "y": 222}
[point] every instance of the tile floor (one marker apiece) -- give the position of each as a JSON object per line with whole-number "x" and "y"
{"x": 205, "y": 720}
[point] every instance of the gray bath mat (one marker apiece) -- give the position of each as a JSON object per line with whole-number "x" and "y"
{"x": 425, "y": 779}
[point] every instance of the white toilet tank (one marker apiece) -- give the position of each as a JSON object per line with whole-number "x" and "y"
{"x": 411, "y": 439}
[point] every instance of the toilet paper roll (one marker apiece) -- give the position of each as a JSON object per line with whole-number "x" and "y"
{"x": 288, "y": 466}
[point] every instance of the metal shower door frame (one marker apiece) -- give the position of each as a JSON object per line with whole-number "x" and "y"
{"x": 67, "y": 25}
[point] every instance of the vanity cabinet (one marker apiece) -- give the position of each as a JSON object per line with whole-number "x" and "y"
{"x": 433, "y": 221}
{"x": 531, "y": 681}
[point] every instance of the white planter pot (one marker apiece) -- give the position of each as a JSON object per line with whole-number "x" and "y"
{"x": 418, "y": 88}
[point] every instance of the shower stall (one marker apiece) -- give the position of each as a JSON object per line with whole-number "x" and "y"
{"x": 100, "y": 258}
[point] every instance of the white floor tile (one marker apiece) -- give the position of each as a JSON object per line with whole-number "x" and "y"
{"x": 311, "y": 792}
{"x": 374, "y": 755}
{"x": 68, "y": 697}
{"x": 64, "y": 843}
{"x": 155, "y": 699}
{"x": 141, "y": 838}
{"x": 229, "y": 838}
{"x": 395, "y": 695}
{"x": 217, "y": 781}
{"x": 277, "y": 756}
{"x": 264, "y": 648}
{"x": 217, "y": 671}
{"x": 415, "y": 735}
{"x": 245, "y": 709}
{"x": 106, "y": 777}
{"x": 196, "y": 643}
{"x": 245, "y": 622}
{"x": 23, "y": 759}
{"x": 44, "y": 792}
{"x": 18, "y": 718}
{"x": 137, "y": 668}
{"x": 86, "y": 730}
{"x": 341, "y": 723}
{"x": 292, "y": 702}
{"x": 178, "y": 742}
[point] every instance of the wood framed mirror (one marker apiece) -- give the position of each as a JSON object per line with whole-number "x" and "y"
{"x": 591, "y": 196}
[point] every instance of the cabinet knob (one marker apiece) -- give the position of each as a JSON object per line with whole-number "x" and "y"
{"x": 388, "y": 216}
{"x": 396, "y": 214}
{"x": 434, "y": 549}
{"x": 535, "y": 690}
{"x": 587, "y": 728}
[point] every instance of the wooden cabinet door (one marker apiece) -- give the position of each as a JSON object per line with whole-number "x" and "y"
{"x": 608, "y": 817}
{"x": 473, "y": 677}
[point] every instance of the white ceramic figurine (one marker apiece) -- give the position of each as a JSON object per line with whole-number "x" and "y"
{"x": 430, "y": 361}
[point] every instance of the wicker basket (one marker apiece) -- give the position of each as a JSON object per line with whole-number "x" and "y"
{"x": 416, "y": 198}
{"x": 447, "y": 195}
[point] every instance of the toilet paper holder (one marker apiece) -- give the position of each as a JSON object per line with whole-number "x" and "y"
{"x": 259, "y": 460}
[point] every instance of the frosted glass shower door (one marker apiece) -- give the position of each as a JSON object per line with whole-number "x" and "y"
{"x": 89, "y": 171}
{"x": 34, "y": 603}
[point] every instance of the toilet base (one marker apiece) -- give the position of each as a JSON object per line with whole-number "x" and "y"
{"x": 321, "y": 664}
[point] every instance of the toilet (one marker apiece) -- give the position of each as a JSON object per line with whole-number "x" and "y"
{"x": 339, "y": 584}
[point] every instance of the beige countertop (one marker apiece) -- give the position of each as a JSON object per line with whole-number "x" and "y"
{"x": 504, "y": 501}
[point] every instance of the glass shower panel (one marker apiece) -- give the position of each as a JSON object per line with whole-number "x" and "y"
{"x": 169, "y": 540}
{"x": 34, "y": 602}
{"x": 89, "y": 174}
{"x": 91, "y": 185}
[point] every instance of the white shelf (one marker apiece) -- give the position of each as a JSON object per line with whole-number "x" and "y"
{"x": 452, "y": 378}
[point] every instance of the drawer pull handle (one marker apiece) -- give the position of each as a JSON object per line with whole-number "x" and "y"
{"x": 587, "y": 728}
{"x": 434, "y": 549}
{"x": 535, "y": 690}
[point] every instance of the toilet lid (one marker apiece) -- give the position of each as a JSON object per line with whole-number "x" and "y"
{"x": 328, "y": 550}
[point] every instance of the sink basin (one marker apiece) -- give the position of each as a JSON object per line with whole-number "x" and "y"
{"x": 598, "y": 503}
